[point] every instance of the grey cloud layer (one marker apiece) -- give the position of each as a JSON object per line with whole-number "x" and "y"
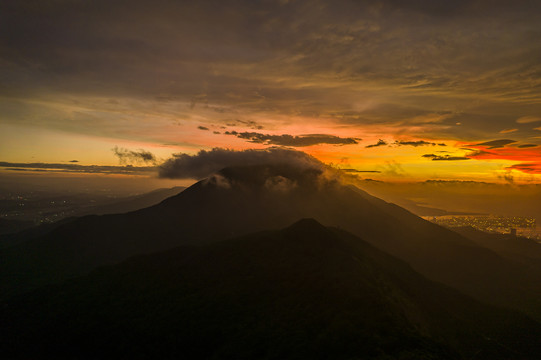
{"x": 297, "y": 58}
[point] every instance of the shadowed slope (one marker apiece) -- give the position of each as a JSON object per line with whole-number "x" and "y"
{"x": 303, "y": 292}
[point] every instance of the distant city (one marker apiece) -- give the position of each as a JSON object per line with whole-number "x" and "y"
{"x": 514, "y": 225}
{"x": 43, "y": 207}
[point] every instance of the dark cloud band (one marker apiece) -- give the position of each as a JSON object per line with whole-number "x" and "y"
{"x": 435, "y": 157}
{"x": 495, "y": 144}
{"x": 294, "y": 141}
{"x": 76, "y": 168}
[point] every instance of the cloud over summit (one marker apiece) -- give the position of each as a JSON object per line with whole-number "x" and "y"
{"x": 205, "y": 163}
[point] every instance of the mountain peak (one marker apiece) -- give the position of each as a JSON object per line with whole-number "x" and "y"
{"x": 261, "y": 174}
{"x": 307, "y": 224}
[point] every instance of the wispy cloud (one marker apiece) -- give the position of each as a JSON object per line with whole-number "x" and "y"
{"x": 134, "y": 156}
{"x": 393, "y": 168}
{"x": 506, "y": 131}
{"x": 379, "y": 143}
{"x": 360, "y": 171}
{"x": 528, "y": 119}
{"x": 530, "y": 168}
{"x": 495, "y": 144}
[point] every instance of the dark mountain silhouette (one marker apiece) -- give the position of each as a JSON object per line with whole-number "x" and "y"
{"x": 241, "y": 200}
{"x": 305, "y": 292}
{"x": 12, "y": 226}
{"x": 9, "y": 240}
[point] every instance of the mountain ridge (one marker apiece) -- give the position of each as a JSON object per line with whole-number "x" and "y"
{"x": 242, "y": 200}
{"x": 303, "y": 291}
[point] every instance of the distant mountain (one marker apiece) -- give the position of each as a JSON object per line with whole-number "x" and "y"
{"x": 133, "y": 203}
{"x": 421, "y": 210}
{"x": 14, "y": 232}
{"x": 242, "y": 200}
{"x": 305, "y": 292}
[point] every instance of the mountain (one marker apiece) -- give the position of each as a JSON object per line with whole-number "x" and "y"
{"x": 35, "y": 231}
{"x": 14, "y": 232}
{"x": 241, "y": 200}
{"x": 133, "y": 203}
{"x": 304, "y": 292}
{"x": 12, "y": 226}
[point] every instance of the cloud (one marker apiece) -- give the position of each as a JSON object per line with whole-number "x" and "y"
{"x": 445, "y": 157}
{"x": 74, "y": 161}
{"x": 294, "y": 141}
{"x": 508, "y": 177}
{"x": 205, "y": 163}
{"x": 416, "y": 143}
{"x": 505, "y": 131}
{"x": 495, "y": 144}
{"x": 273, "y": 62}
{"x": 280, "y": 184}
{"x": 479, "y": 153}
{"x": 393, "y": 168}
{"x": 134, "y": 156}
{"x": 203, "y": 128}
{"x": 360, "y": 171}
{"x": 379, "y": 143}
{"x": 76, "y": 168}
{"x": 525, "y": 146}
{"x": 528, "y": 119}
{"x": 247, "y": 123}
{"x": 537, "y": 128}
{"x": 218, "y": 180}
{"x": 530, "y": 168}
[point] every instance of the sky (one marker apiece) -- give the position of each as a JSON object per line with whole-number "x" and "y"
{"x": 388, "y": 90}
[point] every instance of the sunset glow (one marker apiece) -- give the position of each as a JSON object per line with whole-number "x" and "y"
{"x": 404, "y": 91}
